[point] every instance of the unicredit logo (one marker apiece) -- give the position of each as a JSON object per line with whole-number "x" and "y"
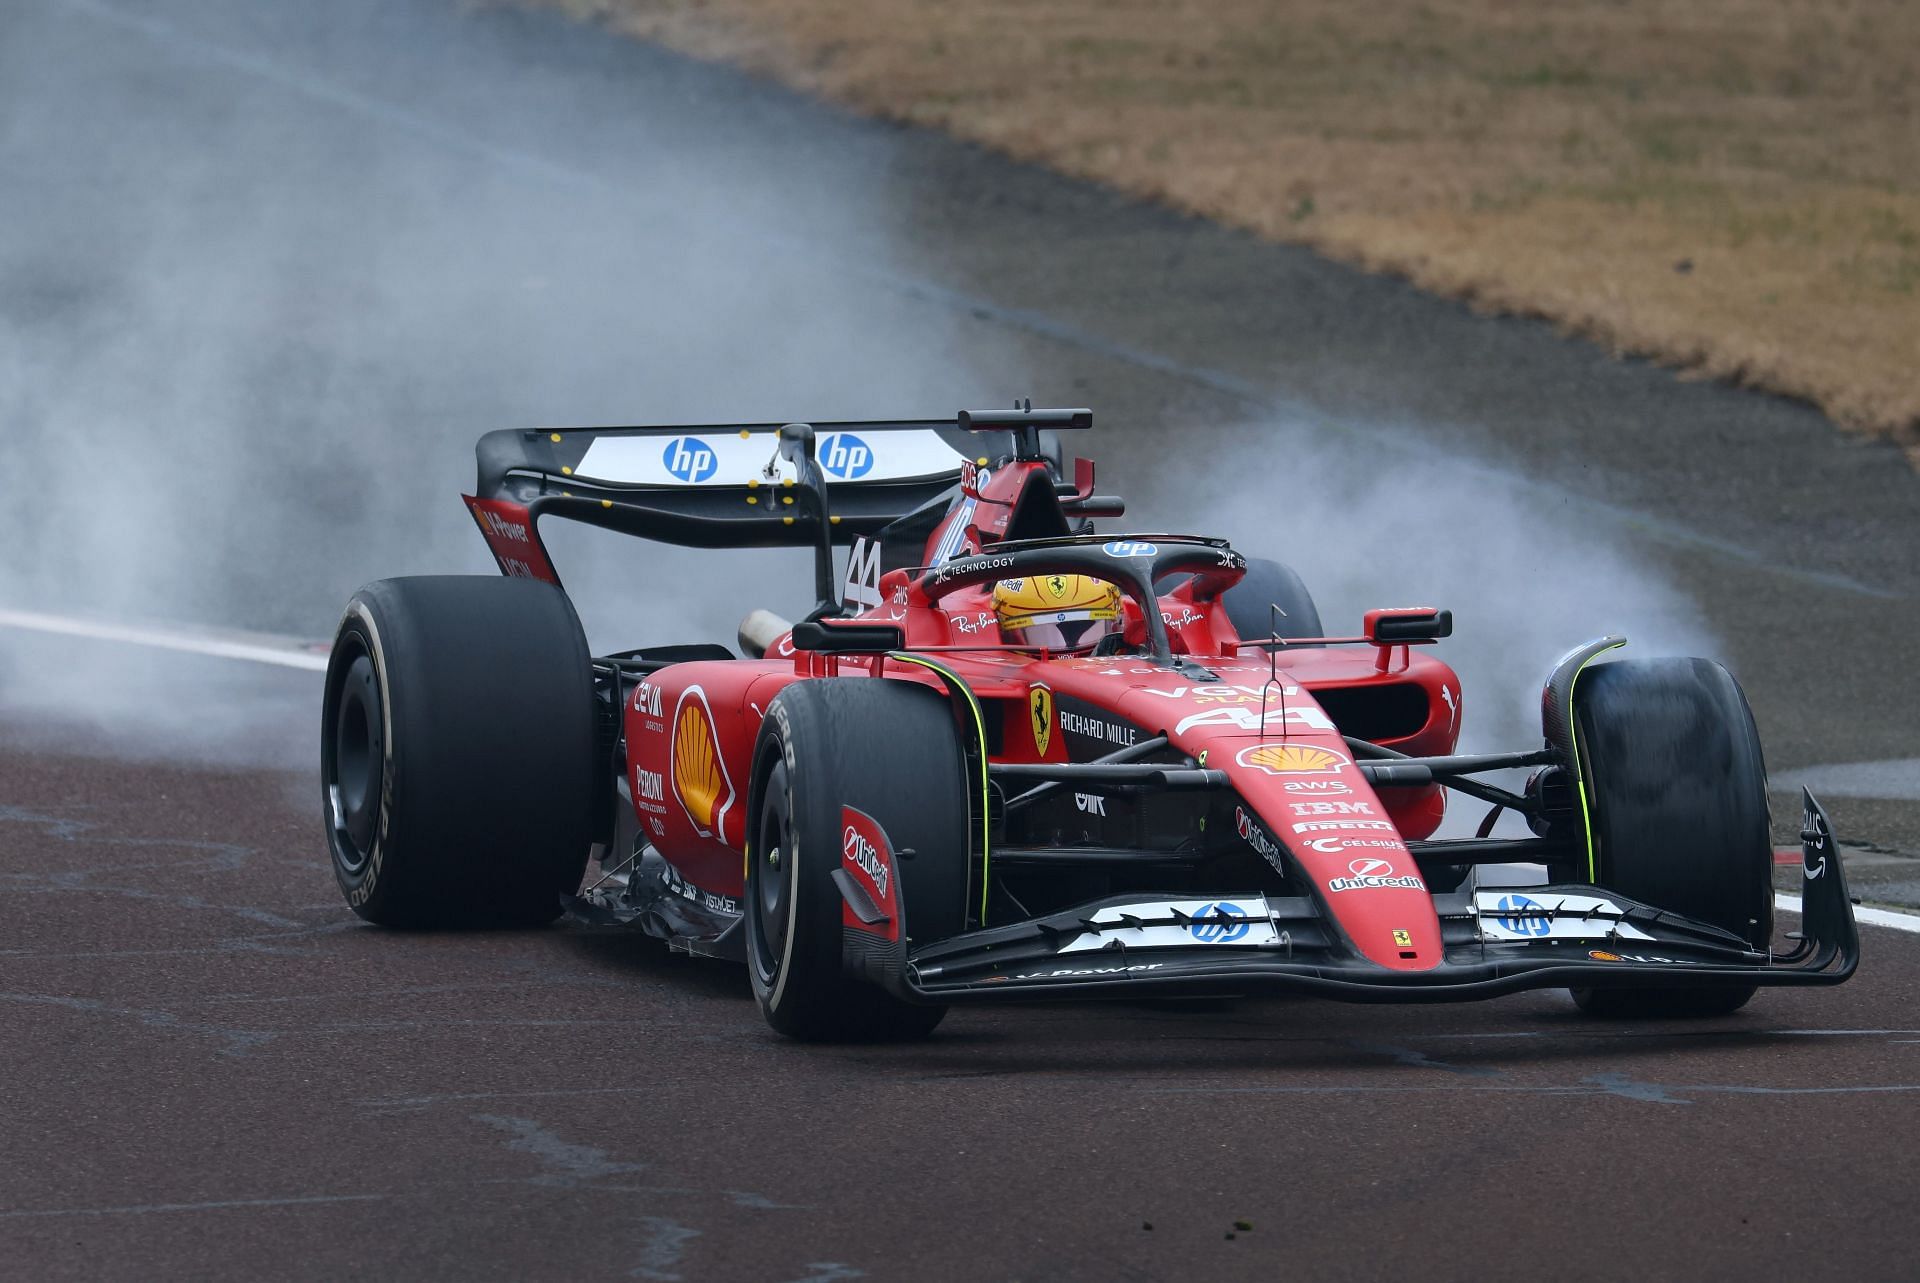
{"x": 689, "y": 459}
{"x": 1373, "y": 875}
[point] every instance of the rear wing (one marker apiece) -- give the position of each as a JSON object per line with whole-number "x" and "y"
{"x": 755, "y": 485}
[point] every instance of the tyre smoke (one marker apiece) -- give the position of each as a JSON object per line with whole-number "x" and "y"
{"x": 266, "y": 275}
{"x": 267, "y": 272}
{"x": 1370, "y": 516}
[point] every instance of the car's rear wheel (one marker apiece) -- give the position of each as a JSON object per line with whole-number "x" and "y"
{"x": 888, "y": 749}
{"x": 1265, "y": 585}
{"x": 1677, "y": 800}
{"x": 457, "y": 752}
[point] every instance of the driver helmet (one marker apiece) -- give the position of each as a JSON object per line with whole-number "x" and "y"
{"x": 1059, "y": 612}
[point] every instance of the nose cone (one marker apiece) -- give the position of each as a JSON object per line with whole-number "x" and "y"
{"x": 1311, "y": 795}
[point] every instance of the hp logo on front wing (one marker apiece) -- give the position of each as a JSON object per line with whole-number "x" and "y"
{"x": 1209, "y": 925}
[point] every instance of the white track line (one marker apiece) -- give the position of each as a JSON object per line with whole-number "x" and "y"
{"x": 287, "y": 654}
{"x": 284, "y": 653}
{"x": 1872, "y": 917}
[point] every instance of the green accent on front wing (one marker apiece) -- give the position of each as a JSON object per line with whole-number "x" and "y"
{"x": 1579, "y": 772}
{"x": 955, "y": 683}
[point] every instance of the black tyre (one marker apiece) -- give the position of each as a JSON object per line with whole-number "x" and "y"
{"x": 1677, "y": 797}
{"x": 457, "y": 751}
{"x": 1268, "y": 583}
{"x": 887, "y": 748}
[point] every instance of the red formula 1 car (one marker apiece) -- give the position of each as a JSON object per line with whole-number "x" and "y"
{"x": 1007, "y": 757}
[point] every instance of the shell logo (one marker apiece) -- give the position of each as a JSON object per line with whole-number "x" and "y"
{"x": 1294, "y": 759}
{"x": 700, "y": 777}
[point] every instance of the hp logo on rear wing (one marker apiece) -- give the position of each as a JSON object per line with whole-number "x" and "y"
{"x": 690, "y": 459}
{"x": 845, "y": 457}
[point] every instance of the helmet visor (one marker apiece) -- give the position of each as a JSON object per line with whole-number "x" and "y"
{"x": 1070, "y": 634}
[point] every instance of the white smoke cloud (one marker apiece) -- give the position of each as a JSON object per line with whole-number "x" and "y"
{"x": 1370, "y": 517}
{"x": 250, "y": 330}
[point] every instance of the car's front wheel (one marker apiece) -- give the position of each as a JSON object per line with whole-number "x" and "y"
{"x": 834, "y": 753}
{"x": 1676, "y": 792}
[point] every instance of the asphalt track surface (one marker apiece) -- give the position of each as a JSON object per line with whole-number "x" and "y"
{"x": 210, "y": 1069}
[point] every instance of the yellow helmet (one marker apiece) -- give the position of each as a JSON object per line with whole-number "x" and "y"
{"x": 1060, "y": 612}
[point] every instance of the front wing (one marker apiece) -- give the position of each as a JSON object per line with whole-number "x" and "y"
{"x": 1497, "y": 940}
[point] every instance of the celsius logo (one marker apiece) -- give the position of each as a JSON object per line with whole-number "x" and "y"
{"x": 846, "y": 456}
{"x": 1211, "y": 925}
{"x": 1128, "y": 548}
{"x": 1522, "y": 916}
{"x": 689, "y": 459}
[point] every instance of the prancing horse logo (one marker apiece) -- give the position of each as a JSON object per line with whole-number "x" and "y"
{"x": 1040, "y": 704}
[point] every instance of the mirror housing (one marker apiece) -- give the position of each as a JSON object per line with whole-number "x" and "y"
{"x": 1398, "y": 626}
{"x": 860, "y": 637}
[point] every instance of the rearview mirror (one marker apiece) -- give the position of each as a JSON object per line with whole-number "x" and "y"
{"x": 860, "y": 638}
{"x": 1399, "y": 625}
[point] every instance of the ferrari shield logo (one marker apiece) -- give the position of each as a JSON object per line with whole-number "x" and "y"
{"x": 1403, "y": 938}
{"x": 1040, "y": 704}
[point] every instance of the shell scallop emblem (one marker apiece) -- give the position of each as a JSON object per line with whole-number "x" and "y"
{"x": 699, "y": 775}
{"x": 1294, "y": 759}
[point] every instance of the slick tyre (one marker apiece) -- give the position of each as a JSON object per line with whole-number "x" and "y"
{"x": 1677, "y": 800}
{"x": 457, "y": 752}
{"x": 1267, "y": 584}
{"x": 889, "y": 749}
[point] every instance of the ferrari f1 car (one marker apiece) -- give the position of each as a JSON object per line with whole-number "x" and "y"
{"x": 1007, "y": 757}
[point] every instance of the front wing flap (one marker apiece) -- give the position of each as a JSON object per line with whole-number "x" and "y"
{"x": 1496, "y": 940}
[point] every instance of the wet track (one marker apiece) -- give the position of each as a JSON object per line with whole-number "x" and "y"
{"x": 209, "y": 1069}
{"x": 212, "y": 1072}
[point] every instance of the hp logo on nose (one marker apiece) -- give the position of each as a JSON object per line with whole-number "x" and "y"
{"x": 845, "y": 457}
{"x": 689, "y": 460}
{"x": 1211, "y": 925}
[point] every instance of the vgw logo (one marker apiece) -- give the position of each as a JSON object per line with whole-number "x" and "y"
{"x": 1210, "y": 925}
{"x": 690, "y": 460}
{"x": 846, "y": 457}
{"x": 1522, "y": 916}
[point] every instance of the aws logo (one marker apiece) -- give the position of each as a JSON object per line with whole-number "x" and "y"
{"x": 699, "y": 770}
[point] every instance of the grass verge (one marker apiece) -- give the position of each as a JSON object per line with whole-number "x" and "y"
{"x": 1731, "y": 187}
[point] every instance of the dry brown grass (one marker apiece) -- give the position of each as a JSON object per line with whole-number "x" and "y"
{"x": 1730, "y": 186}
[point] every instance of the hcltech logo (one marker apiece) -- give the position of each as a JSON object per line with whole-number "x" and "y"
{"x": 845, "y": 457}
{"x": 1522, "y": 916}
{"x": 690, "y": 460}
{"x": 1214, "y": 925}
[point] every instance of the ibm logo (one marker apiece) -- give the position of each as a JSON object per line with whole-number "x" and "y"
{"x": 689, "y": 460}
{"x": 845, "y": 457}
